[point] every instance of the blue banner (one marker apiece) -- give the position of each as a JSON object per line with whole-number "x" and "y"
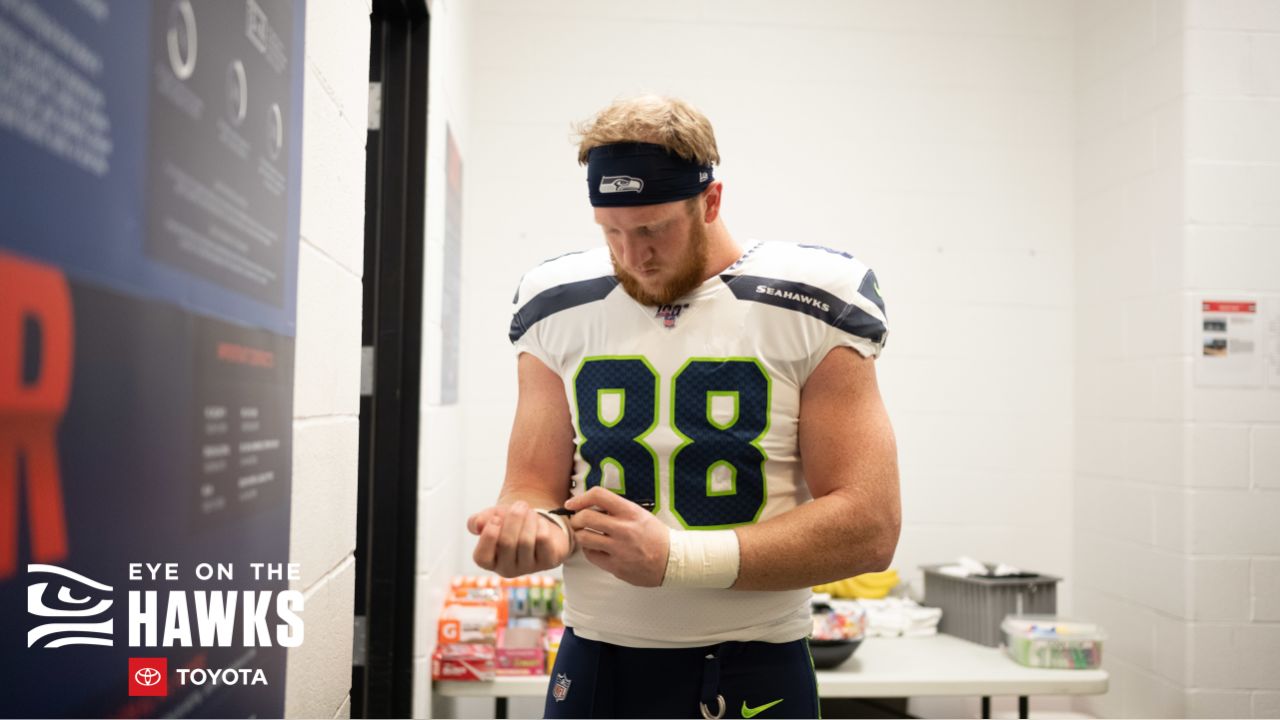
{"x": 150, "y": 157}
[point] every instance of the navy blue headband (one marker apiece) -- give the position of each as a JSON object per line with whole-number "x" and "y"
{"x": 642, "y": 174}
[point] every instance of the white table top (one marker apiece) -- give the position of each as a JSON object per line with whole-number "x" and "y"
{"x": 886, "y": 667}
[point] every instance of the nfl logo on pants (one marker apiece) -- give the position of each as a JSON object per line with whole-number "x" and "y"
{"x": 561, "y": 690}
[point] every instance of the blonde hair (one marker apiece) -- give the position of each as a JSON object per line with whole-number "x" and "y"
{"x": 666, "y": 121}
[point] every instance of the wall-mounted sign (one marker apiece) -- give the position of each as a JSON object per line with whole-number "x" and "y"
{"x": 1236, "y": 346}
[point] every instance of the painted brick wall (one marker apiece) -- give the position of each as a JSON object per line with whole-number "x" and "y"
{"x": 441, "y": 480}
{"x": 1175, "y": 490}
{"x": 1232, "y": 248}
{"x": 1131, "y": 368}
{"x": 327, "y": 371}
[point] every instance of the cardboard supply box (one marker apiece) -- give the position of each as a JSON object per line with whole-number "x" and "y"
{"x": 467, "y": 622}
{"x": 521, "y": 661}
{"x": 520, "y": 651}
{"x": 462, "y": 661}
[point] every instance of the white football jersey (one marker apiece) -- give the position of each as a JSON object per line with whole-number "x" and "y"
{"x": 693, "y": 406}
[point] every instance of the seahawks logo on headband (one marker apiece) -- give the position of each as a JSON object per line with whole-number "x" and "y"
{"x": 622, "y": 174}
{"x": 620, "y": 183}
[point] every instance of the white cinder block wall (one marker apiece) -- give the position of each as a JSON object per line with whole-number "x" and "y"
{"x": 1232, "y": 249}
{"x": 1178, "y": 186}
{"x": 1131, "y": 368}
{"x": 327, "y": 368}
{"x": 932, "y": 139}
{"x": 440, "y": 470}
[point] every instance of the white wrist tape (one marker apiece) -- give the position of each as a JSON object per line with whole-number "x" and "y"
{"x": 702, "y": 559}
{"x": 564, "y": 525}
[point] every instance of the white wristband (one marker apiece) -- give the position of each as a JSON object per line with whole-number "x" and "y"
{"x": 564, "y": 525}
{"x": 702, "y": 559}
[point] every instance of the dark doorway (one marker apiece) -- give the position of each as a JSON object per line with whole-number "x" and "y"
{"x": 386, "y": 532}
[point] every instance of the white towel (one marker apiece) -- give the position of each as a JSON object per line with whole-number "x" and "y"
{"x": 900, "y": 616}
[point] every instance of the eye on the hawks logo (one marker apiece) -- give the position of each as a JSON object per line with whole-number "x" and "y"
{"x": 148, "y": 677}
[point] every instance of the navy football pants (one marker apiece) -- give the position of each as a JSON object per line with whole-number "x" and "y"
{"x": 756, "y": 679}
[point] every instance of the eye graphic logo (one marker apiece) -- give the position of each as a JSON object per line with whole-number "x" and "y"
{"x": 72, "y": 617}
{"x": 148, "y": 677}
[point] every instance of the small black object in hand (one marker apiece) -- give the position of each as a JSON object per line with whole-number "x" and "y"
{"x": 569, "y": 513}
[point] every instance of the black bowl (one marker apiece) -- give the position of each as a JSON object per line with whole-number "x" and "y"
{"x": 830, "y": 653}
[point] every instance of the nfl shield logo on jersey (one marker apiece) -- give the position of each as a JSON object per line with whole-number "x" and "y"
{"x": 669, "y": 313}
{"x": 561, "y": 690}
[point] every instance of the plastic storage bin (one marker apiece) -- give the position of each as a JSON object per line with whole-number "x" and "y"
{"x": 1043, "y": 641}
{"x": 973, "y": 607}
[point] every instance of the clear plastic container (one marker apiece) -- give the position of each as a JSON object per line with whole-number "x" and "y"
{"x": 1046, "y": 641}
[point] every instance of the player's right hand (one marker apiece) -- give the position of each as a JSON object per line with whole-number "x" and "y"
{"x": 515, "y": 540}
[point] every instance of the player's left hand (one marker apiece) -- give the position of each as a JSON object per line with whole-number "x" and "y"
{"x": 620, "y": 537}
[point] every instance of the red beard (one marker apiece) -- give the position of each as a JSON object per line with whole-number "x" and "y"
{"x": 690, "y": 273}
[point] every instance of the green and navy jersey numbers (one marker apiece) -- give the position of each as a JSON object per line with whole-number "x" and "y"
{"x": 717, "y": 476}
{"x": 730, "y": 448}
{"x": 619, "y": 442}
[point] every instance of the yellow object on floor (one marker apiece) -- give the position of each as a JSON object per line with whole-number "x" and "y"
{"x": 868, "y": 586}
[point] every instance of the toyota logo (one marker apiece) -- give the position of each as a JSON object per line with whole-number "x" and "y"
{"x": 147, "y": 677}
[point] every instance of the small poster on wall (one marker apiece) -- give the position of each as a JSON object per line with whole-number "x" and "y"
{"x": 1236, "y": 346}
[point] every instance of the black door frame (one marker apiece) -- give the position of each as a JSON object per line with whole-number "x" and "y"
{"x": 395, "y": 199}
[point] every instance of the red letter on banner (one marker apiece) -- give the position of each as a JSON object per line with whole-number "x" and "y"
{"x": 31, "y": 408}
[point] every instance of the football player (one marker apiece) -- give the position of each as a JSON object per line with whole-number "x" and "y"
{"x": 699, "y": 438}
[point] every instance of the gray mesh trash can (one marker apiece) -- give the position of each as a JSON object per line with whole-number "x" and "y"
{"x": 974, "y": 607}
